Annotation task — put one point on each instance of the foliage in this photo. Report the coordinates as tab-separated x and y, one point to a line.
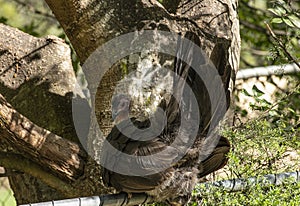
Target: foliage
261	146
287	107
32	17
258	47
267	144
288	194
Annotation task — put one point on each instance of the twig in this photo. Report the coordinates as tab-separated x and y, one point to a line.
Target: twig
251	8
276	103
259	28
281	45
34	10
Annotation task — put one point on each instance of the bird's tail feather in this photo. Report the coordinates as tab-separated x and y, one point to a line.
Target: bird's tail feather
185	54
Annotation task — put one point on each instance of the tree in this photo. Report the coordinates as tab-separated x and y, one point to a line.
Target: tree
38	137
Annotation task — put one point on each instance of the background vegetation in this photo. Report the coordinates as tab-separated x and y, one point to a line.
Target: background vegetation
267	143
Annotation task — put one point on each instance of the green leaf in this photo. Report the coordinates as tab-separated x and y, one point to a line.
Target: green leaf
295	20
273	113
291	110
276	20
278	11
265	102
244	113
245	92
256	91
288	22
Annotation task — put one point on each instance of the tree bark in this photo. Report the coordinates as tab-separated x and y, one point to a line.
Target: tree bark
37	132
89	24
92	23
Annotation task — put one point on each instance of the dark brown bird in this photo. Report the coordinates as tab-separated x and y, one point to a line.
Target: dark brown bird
177	146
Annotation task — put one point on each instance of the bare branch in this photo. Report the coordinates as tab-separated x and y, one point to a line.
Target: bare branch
19	163
34	10
62	156
260	29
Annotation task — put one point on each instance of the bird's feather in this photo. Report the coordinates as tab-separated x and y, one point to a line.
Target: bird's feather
179	177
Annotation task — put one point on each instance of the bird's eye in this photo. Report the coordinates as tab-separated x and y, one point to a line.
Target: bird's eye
123	104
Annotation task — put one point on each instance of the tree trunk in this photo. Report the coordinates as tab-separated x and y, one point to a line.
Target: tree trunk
89	24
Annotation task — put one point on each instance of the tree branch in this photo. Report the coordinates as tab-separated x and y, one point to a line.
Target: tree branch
37	79
258	28
21	164
62	156
34	10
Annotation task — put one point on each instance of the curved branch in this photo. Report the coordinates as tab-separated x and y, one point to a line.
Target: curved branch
62	156
21	164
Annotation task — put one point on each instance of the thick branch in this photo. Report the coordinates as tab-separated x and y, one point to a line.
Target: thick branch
89	24
19	163
62	156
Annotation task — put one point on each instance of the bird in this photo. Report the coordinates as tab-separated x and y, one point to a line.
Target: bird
170	176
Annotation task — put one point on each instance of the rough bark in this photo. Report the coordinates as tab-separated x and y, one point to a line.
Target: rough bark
37	132
88	25
92	23
29	81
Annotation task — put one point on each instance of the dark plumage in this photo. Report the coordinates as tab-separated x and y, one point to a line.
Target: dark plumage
176	181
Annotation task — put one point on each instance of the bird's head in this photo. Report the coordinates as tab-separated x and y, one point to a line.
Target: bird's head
120	108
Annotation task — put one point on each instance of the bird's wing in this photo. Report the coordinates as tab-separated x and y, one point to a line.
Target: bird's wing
217	159
144	169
